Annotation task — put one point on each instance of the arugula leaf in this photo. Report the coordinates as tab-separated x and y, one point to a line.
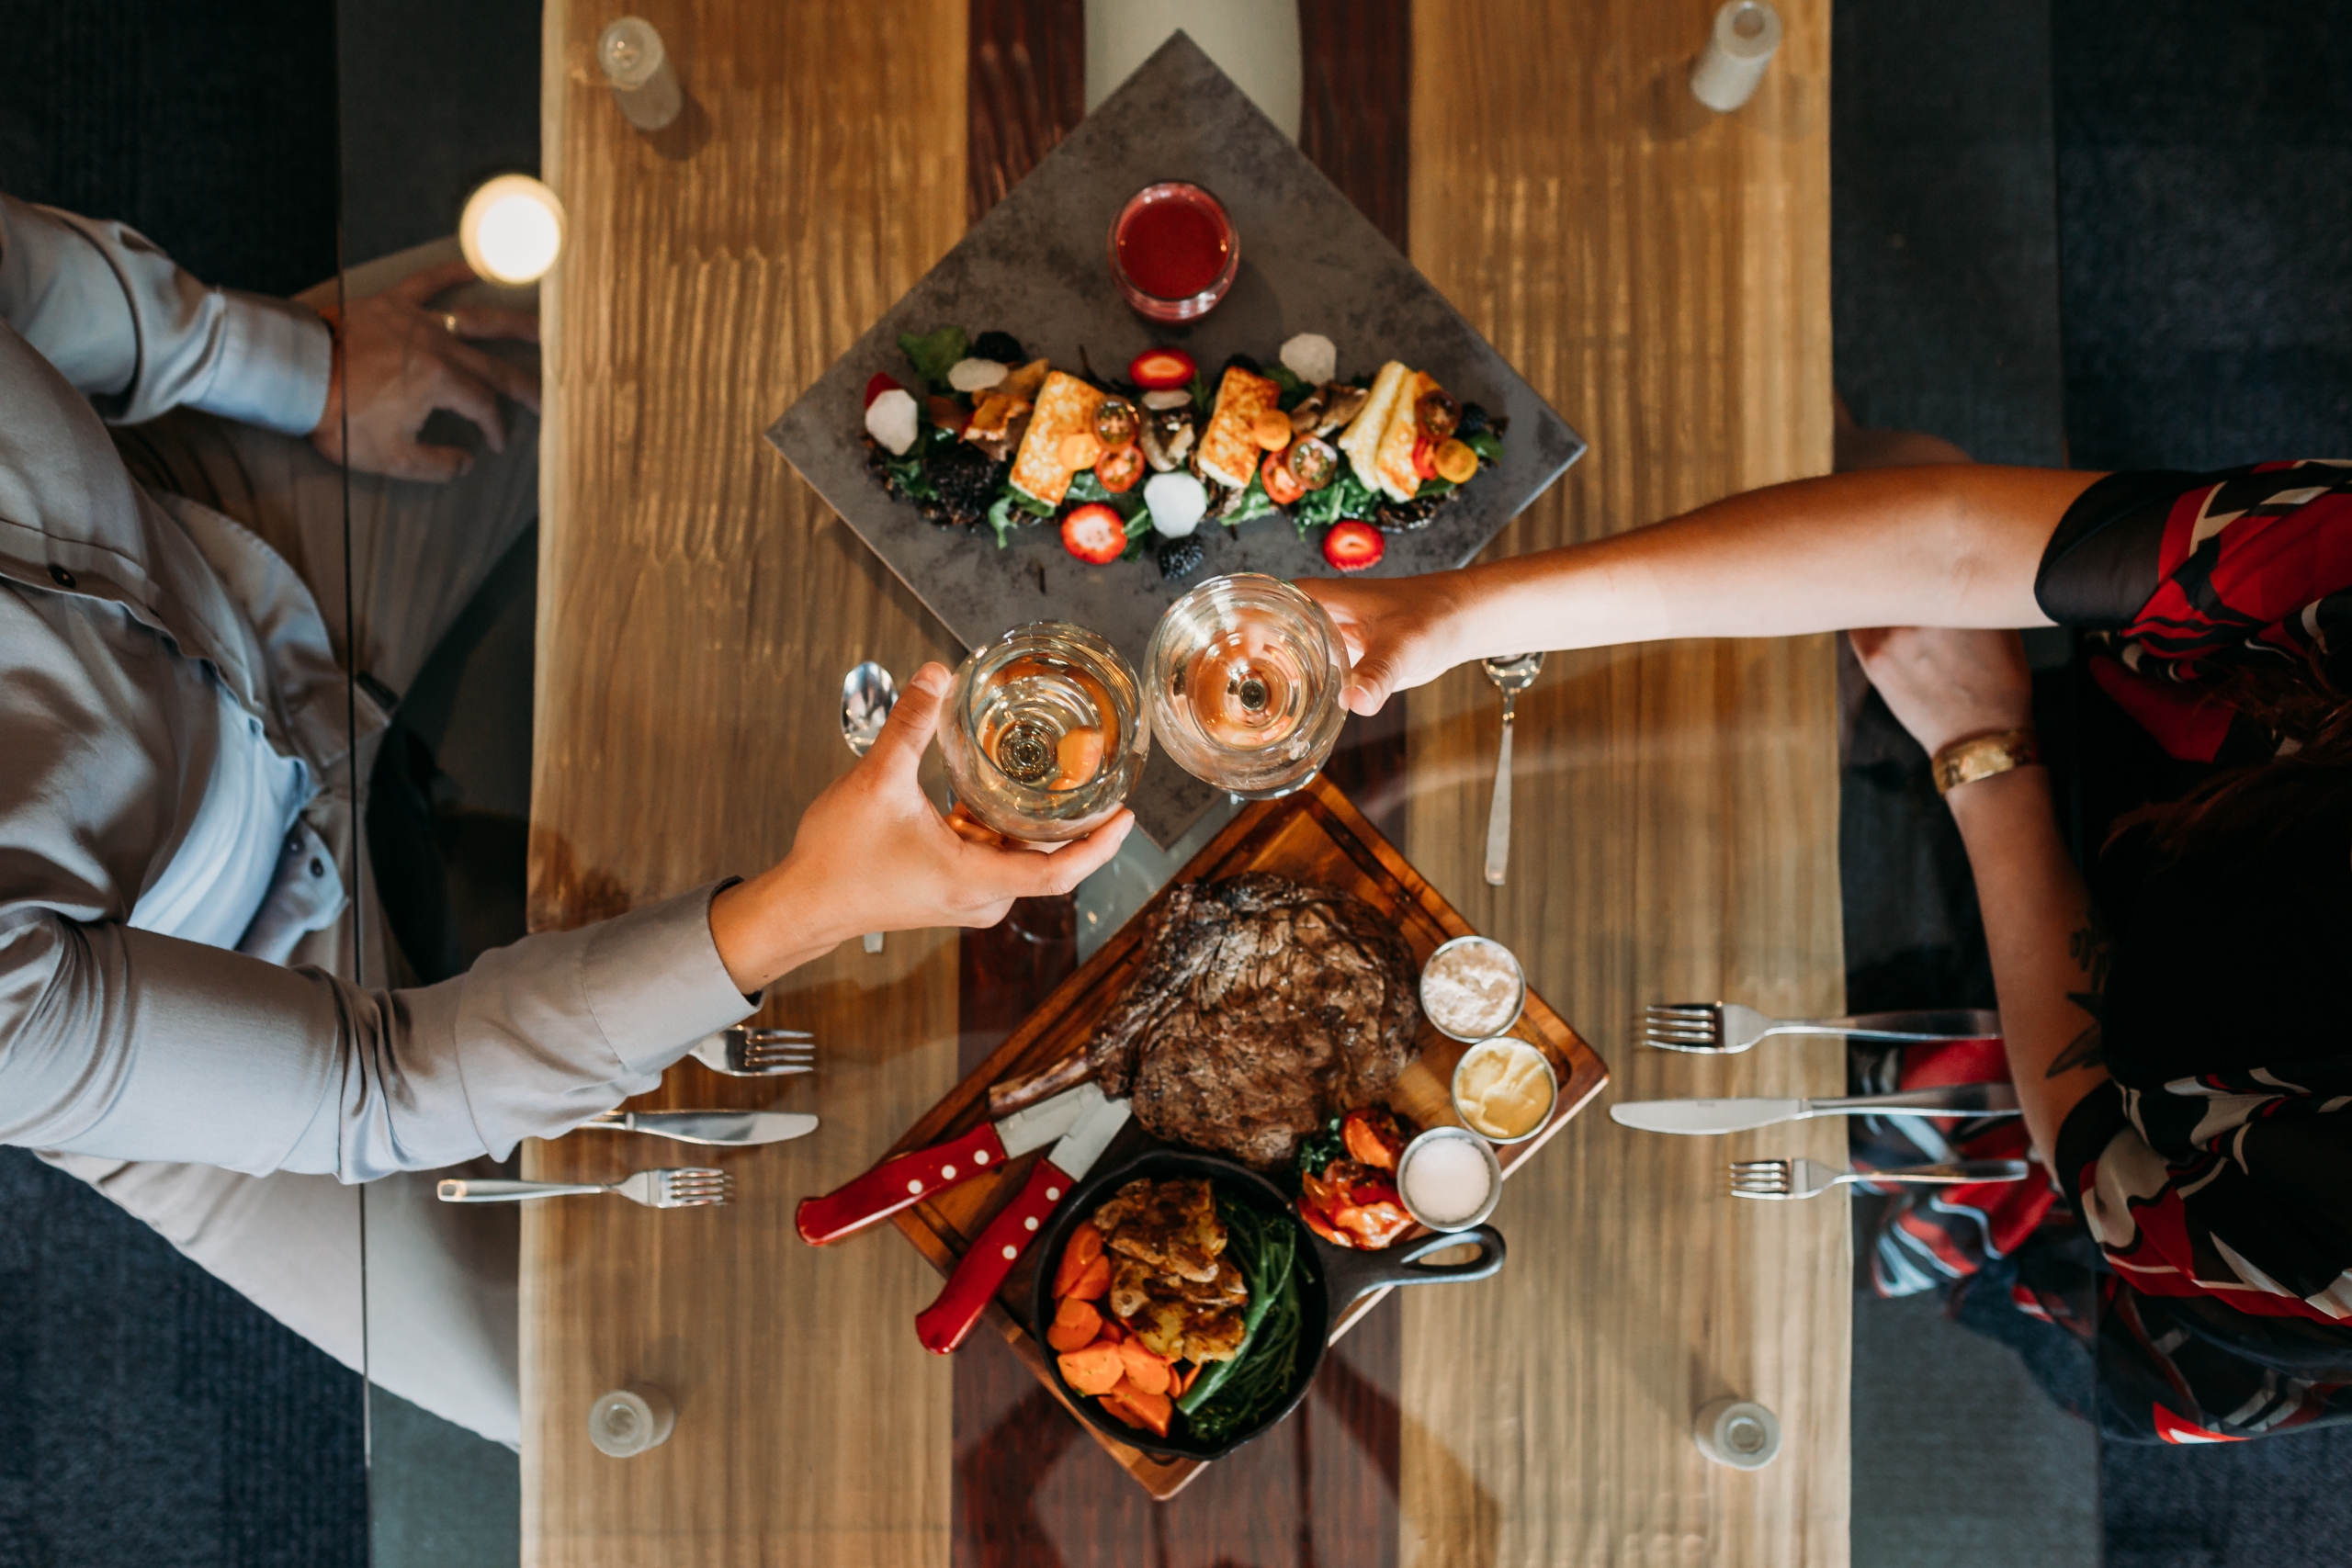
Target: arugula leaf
1346	496
1201	399
1486	443
935	353
1294	391
910	476
1254	502
1000	517
1085	489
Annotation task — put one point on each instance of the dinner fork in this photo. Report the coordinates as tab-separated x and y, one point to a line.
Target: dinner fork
746	1053
1804	1178
692	1187
1726	1027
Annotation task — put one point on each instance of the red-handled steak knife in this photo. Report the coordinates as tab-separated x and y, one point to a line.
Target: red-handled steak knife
943	1325
897	1183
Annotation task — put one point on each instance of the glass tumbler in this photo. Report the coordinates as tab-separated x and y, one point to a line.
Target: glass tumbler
1044	733
1244	677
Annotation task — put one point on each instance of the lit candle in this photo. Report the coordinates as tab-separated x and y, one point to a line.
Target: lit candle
512	229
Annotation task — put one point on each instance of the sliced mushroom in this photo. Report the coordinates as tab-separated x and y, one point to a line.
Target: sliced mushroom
1342	402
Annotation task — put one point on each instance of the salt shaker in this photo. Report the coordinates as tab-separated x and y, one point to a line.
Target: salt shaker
1738	1433
638	68
628	1421
1739	46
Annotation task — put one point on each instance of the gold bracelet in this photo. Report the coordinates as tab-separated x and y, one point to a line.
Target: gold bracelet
1982	756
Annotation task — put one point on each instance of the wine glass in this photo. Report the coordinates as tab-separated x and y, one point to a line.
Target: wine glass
1046	733
1244	676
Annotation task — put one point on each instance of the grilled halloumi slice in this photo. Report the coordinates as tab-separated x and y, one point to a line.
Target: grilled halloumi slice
1066	406
1229	450
1392	460
1361	440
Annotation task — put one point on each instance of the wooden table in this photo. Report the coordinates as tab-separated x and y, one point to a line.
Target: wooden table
1661	274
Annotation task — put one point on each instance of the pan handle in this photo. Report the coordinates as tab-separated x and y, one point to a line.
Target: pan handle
1349	1275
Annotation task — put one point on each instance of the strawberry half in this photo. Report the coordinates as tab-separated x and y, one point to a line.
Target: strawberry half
1354	546
881	383
1095	534
1160	369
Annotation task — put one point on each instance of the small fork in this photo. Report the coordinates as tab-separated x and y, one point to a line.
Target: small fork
1804	1178
691	1186
746	1053
1726	1027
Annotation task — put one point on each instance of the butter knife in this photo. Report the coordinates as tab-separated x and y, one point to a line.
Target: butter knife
734	1128
1701	1116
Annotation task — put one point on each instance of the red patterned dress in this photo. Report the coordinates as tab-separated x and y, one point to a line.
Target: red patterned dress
2214	1173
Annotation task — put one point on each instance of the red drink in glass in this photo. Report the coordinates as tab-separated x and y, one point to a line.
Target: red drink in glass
1173	252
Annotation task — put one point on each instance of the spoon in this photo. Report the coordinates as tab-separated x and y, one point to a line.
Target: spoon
868	693
1511	675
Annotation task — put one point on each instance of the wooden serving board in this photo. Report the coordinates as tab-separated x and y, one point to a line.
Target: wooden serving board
1315	836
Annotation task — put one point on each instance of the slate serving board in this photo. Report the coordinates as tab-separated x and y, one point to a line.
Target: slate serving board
1036	266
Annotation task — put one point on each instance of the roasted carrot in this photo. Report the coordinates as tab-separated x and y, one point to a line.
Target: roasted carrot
1137	1408
1075	1326
1095	1369
1093	1282
1146	1369
1085	1245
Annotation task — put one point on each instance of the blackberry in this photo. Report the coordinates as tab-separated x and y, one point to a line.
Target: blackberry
1002	347
1179	558
1243	362
966	480
1473	420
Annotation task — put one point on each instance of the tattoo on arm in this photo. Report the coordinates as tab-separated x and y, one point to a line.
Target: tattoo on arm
2089	947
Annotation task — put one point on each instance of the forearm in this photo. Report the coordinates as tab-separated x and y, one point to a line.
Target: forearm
1946	546
2038	926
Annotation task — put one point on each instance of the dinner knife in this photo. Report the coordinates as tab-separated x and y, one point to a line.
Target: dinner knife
902	1182
943	1325
1699	1116
733	1128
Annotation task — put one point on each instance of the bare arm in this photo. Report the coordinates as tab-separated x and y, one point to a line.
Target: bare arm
2048	959
1948	546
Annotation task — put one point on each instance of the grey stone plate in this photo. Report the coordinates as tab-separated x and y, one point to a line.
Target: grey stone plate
1035	266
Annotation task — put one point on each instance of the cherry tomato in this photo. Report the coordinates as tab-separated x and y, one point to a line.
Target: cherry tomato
1117	471
1095	534
1457	462
1354	546
1313	463
880	383
1425	458
1116	423
1270	430
1437	414
1281	486
1158	369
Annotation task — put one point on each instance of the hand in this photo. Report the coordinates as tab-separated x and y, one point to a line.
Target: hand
1397	631
1944	684
872	854
396	362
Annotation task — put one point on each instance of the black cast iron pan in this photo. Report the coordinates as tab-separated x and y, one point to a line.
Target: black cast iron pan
1334	1279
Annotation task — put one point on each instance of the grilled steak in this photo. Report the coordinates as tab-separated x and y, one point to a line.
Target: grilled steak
1263	1008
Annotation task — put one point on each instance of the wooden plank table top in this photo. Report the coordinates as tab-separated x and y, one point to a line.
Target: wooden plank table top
1661	275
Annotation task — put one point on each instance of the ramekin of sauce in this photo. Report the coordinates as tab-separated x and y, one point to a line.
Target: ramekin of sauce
1173	252
1473	989
1504	1090
1449	1179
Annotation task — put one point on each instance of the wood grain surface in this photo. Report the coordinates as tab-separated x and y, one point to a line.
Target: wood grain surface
1661	274
697	608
